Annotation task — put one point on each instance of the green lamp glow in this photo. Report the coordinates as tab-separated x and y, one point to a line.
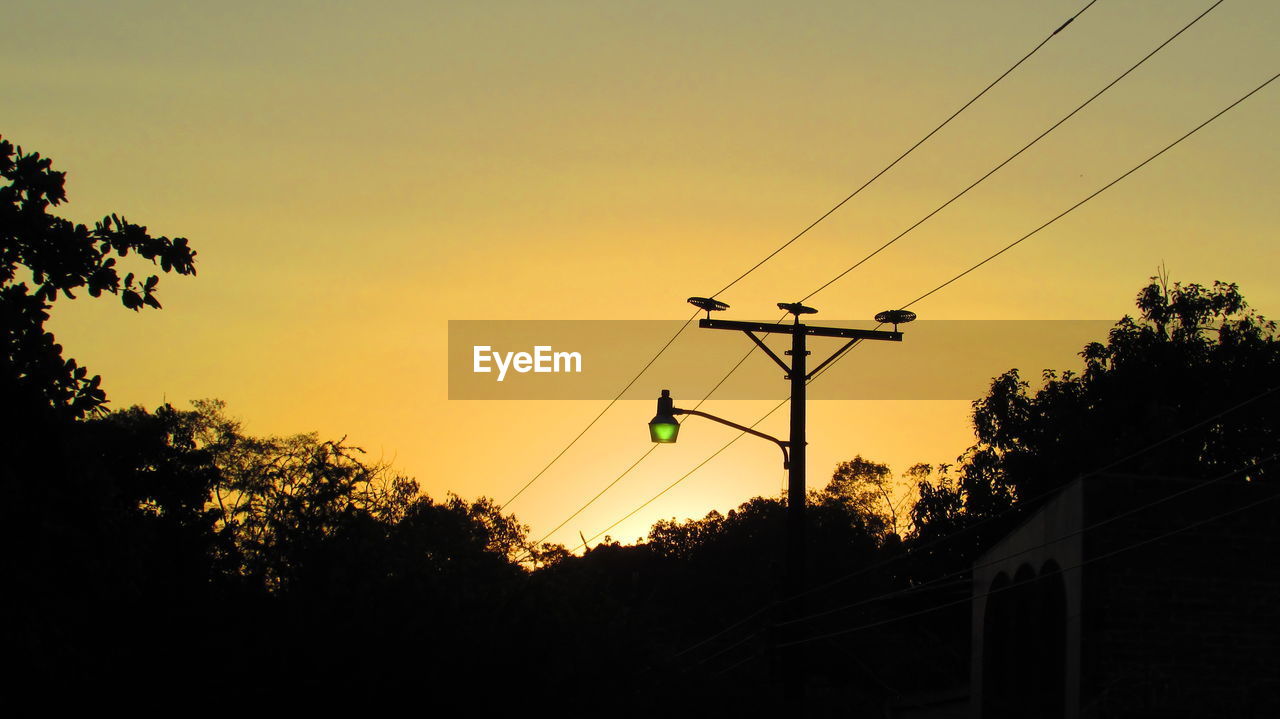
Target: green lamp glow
664	428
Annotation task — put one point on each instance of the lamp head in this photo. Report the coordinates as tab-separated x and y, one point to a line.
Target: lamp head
664	428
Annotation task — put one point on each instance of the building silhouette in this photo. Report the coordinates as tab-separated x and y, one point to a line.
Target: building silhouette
1129	596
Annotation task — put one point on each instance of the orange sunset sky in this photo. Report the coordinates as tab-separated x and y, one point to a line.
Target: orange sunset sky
355	175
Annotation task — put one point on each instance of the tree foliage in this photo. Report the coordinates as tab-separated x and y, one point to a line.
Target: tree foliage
869	491
281	503
1187	388
148	526
57	257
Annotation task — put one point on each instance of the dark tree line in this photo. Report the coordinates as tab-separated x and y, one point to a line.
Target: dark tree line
152	553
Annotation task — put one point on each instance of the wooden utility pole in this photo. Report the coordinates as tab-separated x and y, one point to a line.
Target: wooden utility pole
794	670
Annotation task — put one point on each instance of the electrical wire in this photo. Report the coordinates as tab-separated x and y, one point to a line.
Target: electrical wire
954	198
1037	498
909	150
682	478
980	264
950	536
1086	199
1051	221
995	562
1007	248
1095	193
1101	557
1011	158
770	256
635	464
607	407
1076	532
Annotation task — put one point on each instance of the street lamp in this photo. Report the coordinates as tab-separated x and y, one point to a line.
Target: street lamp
664	428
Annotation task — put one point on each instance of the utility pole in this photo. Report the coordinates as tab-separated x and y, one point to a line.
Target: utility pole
794	670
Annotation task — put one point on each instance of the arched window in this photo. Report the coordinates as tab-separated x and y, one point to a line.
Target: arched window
1052	644
1024	645
1026	639
997	641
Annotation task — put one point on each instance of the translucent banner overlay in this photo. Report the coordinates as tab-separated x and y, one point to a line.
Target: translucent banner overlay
594	359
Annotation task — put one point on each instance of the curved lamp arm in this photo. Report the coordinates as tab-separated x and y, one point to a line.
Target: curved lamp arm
786	457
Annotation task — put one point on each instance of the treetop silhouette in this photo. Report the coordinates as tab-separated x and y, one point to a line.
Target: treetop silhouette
59	256
1195	378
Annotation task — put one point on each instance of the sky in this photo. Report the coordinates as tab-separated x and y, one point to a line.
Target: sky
356	175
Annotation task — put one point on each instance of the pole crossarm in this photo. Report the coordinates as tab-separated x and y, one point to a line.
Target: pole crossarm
768	351
750	328
811	330
786	458
836	355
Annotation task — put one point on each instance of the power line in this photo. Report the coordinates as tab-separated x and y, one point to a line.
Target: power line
682	478
1078	204
1193	131
994	562
1097	192
1072	208
686	475
983	262
1011	158
592	423
638	461
729	648
770	256
1000	560
1108	555
1030	501
647	452
909	150
1034	499
1016	242
960	194
739	663
1007	248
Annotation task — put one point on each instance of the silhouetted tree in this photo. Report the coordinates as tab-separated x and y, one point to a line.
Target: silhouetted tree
152	553
1194	353
1189	388
106	521
58	256
870	492
939	504
281	502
